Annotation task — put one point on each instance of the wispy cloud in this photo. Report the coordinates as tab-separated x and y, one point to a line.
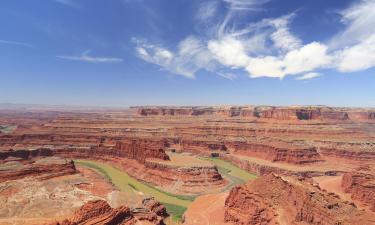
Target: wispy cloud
206	11
190	56
21	44
245	4
84	57
69	3
308	76
267	48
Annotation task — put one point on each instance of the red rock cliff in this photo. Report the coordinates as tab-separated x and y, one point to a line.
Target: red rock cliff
272	200
362	187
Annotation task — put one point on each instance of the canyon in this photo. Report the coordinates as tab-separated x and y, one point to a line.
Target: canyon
293	150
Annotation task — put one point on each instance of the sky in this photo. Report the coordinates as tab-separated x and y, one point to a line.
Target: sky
187	52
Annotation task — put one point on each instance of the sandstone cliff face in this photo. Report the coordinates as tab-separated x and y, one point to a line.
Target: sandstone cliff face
198	146
276	152
25	154
132	148
362	187
273	200
140	149
361	115
100	212
346	153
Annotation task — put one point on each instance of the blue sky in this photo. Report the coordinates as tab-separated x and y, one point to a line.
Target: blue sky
188	52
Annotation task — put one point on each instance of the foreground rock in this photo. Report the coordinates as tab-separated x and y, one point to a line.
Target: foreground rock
273	200
100	212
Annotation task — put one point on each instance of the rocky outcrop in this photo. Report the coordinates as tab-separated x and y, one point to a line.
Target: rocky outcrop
276	152
132	148
16	165
100	212
141	149
361	115
361	185
190	180
272	151
25	154
201	145
346	153
274	200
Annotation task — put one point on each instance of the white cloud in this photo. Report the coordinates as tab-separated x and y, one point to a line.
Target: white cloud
357	57
268	66
22	44
308	76
229	51
267	48
360	24
86	58
309	57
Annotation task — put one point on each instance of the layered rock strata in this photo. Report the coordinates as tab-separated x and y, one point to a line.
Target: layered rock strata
100	212
274	200
361	185
14	168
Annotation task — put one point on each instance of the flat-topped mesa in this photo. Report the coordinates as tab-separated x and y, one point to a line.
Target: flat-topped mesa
276	152
293	113
361	115
229	111
141	149
361	185
300	113
273	200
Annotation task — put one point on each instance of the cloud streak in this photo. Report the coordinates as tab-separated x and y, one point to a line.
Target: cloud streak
308	76
84	57
21	44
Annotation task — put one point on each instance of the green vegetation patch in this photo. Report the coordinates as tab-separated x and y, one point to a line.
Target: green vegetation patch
176	211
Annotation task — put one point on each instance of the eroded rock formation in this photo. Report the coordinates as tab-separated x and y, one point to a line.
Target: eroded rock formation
141	149
274	200
100	212
19	164
361	185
